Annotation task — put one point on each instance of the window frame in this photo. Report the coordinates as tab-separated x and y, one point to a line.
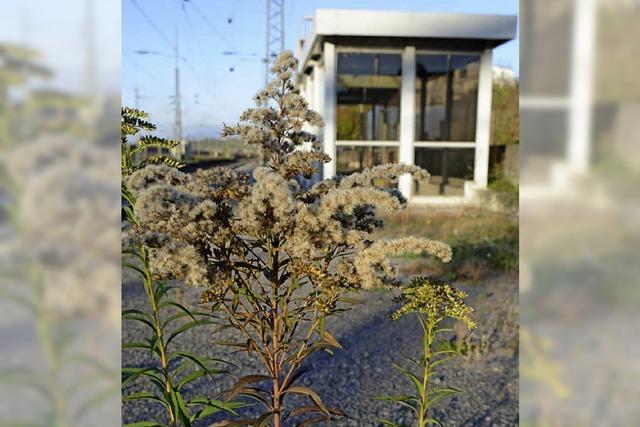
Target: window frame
450	144
366	142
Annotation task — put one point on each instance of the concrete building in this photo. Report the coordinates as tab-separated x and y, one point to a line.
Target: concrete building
413	88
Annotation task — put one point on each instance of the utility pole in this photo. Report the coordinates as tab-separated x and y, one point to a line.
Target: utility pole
275	34
177	128
136	96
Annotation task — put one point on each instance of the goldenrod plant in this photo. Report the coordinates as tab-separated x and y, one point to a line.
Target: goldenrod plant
275	259
53	292
431	301
164	319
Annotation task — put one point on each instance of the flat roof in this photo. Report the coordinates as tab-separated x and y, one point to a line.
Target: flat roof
493	30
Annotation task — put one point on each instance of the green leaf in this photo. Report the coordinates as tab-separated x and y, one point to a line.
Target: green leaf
179	306
132	345
143	395
411	402
191	377
211	406
415	363
173	318
183	410
134	267
414	379
158	160
441	393
150	141
441	361
138	318
186	327
134	373
196	359
438	353
154	343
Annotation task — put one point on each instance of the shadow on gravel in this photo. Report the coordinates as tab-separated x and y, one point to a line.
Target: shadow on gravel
352	378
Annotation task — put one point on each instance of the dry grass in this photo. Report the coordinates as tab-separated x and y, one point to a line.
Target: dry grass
484	242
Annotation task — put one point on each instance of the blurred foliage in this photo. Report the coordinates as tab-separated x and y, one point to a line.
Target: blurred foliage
505	114
349	126
18	66
507	193
617	53
71	381
211	148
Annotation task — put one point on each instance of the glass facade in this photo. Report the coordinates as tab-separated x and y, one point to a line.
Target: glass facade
368	110
446	97
449	169
368	97
356	158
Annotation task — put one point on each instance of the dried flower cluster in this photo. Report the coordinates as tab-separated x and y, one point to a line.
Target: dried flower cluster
277	258
67	225
436	299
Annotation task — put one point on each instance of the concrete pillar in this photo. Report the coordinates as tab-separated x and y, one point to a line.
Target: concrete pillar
483	120
318	82
407	116
581	99
308	90
329	107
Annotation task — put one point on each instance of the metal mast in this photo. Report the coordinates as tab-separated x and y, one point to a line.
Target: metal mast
136	95
275	34
177	129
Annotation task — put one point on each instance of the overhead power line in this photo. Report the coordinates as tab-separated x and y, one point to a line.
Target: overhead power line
153	25
211	25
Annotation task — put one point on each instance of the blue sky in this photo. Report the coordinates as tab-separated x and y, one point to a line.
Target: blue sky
57	30
211	92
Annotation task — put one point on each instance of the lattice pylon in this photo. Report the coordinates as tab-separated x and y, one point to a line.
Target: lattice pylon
275	34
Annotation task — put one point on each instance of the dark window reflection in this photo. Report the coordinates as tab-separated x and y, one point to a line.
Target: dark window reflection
368	97
355	159
431	96
446	97
449	169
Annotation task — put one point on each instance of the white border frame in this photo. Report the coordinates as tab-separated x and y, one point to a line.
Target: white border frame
375	143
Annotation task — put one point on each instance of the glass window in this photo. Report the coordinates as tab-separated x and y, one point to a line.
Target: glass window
431	96
465	72
446	97
352	159
368	97
449	169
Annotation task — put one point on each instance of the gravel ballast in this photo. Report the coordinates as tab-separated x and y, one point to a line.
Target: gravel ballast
352	378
